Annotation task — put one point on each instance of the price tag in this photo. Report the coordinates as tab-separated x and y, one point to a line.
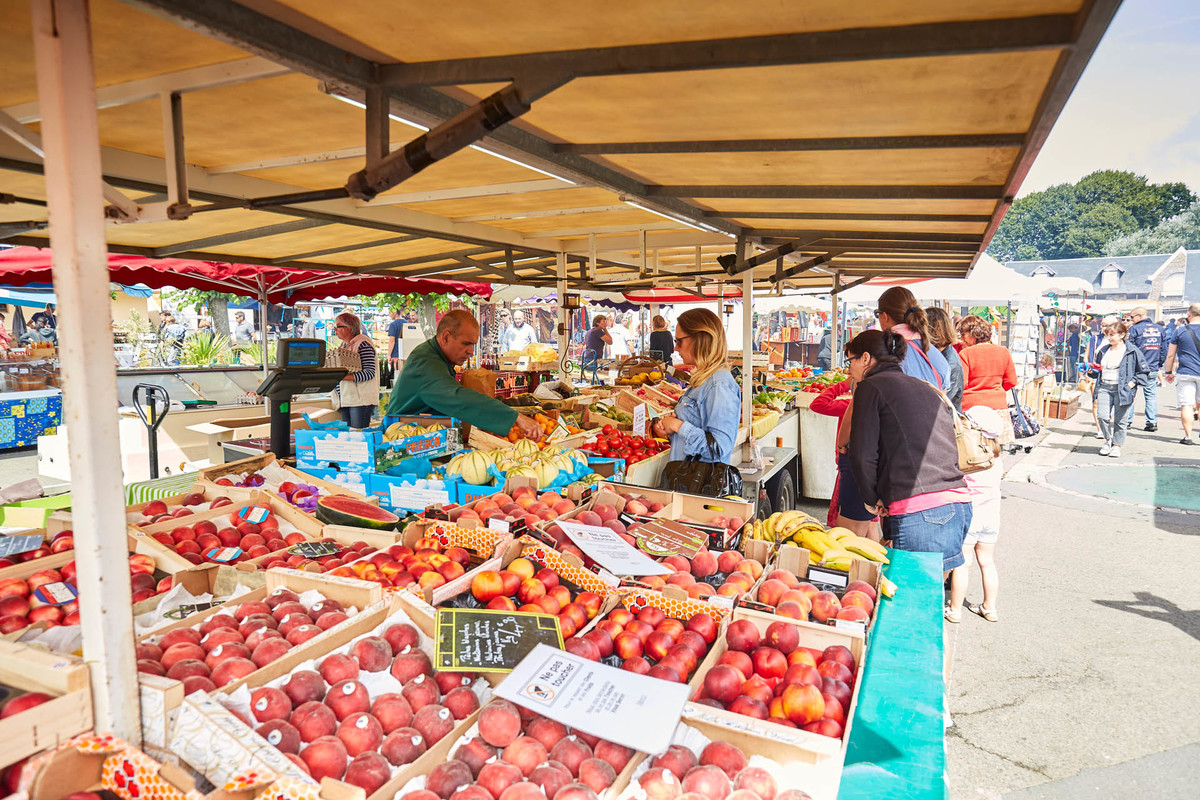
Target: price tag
824	578
497	524
186	611
315	549
56	594
15	545
410	497
639	419
223	554
614	704
666	537
610	551
255	514
485	640
849	625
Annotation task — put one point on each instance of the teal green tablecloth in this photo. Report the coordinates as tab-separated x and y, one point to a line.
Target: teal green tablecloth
896	747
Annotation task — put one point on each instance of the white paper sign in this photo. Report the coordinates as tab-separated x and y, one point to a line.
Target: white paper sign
412	497
611	551
639	419
611	703
341	450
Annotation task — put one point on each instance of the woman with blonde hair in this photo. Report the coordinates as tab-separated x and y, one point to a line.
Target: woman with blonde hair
944	337
712	405
358	392
662	346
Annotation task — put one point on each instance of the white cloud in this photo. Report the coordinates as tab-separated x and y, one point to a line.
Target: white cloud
1134	107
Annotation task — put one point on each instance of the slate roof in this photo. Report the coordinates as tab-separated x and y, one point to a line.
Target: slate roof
1134	279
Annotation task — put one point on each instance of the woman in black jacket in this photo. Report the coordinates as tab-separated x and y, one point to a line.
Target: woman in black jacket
1122	368
902	451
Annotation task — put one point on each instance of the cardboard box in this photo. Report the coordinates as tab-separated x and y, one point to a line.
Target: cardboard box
398	492
346	450
337	481
797	561
69	713
341	534
436	443
827	755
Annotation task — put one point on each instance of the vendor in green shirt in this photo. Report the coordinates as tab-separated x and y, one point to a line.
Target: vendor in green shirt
427	384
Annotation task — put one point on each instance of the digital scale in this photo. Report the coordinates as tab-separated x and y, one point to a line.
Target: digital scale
300	369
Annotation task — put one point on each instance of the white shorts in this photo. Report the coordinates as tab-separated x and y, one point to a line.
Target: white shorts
985	505
1187	386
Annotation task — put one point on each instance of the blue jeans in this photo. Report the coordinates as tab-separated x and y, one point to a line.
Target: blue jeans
357	416
935	530
1114	418
1150	395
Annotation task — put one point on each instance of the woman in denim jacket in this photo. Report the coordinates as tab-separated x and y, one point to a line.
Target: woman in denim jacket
713	401
1121	368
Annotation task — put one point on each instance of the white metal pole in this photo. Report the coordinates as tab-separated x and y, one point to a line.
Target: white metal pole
835	334
262	315
747	346
71	137
561	286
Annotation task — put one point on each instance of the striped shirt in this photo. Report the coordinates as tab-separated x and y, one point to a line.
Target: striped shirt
366	354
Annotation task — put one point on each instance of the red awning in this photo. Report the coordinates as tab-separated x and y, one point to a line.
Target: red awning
671	295
21	266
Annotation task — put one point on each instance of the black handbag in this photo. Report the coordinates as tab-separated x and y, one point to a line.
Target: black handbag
706	478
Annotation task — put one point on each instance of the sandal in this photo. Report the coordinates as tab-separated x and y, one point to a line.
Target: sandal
952	614
977	608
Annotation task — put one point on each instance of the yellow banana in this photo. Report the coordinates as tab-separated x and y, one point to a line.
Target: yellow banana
887	588
813	558
840	534
869	544
839	563
866	552
836	553
813	543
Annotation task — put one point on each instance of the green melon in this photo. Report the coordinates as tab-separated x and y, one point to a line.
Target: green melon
341	510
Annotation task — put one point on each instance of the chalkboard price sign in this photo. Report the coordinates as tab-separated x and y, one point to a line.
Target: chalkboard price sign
315	549
15	545
182	612
485	640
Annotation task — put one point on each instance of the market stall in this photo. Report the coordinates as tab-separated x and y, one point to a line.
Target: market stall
618	199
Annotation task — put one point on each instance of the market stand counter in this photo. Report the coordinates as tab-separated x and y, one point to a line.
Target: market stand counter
897	746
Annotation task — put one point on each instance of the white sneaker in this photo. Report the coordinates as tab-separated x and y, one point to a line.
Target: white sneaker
1115	452
1099	435
1105	449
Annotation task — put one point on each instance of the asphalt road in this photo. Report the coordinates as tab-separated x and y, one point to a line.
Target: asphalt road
1086	686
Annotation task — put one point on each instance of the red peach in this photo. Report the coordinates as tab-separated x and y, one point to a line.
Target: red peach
742	635
525	753
462	702
346	698
282	734
267	704
314	720
571	752
403	746
269	650
360	732
304	686
325	757
232	669
434	722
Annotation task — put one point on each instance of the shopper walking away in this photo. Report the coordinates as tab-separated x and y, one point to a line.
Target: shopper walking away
944	337
1122	369
359	391
846	507
395	333
825	350
979	545
1072	372
898	312
903	453
988	371
712	403
662	343
519	335
1183	368
1148	336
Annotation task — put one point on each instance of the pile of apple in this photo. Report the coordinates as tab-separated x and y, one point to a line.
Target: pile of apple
650	643
791	597
256	539
728	574
229	645
769	676
345	554
428	564
330	726
61	542
524	504
521	586
158	511
721	771
519	755
20	608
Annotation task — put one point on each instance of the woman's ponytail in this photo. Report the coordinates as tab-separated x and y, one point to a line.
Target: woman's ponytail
916	318
901	307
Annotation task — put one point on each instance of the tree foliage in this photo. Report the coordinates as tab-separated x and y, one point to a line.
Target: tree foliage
1078	220
1165	237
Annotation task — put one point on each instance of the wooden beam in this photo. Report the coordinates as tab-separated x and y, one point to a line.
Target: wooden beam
464	192
804	192
784	145
855	216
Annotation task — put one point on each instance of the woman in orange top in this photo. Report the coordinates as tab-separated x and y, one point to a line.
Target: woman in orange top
988	369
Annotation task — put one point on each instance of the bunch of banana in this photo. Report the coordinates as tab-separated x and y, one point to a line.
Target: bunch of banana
858	545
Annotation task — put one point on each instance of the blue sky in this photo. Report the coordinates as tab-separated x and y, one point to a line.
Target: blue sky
1137	106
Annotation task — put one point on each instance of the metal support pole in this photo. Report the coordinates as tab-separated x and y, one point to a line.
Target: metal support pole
174	152
835	332
262	314
561	286
74	190
747	346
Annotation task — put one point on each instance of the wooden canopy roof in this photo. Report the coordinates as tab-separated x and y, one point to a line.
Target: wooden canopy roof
640	141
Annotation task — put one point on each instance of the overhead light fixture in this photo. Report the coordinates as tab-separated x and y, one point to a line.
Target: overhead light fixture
672	217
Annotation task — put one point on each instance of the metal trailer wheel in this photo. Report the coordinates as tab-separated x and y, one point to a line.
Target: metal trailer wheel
763	505
783	492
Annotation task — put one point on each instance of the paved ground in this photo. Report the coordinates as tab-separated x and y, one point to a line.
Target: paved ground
1086	686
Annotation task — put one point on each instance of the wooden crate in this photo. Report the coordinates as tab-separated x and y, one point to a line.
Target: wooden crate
209	476
50	724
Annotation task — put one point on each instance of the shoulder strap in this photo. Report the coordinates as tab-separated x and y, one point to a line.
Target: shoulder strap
1192	333
936	376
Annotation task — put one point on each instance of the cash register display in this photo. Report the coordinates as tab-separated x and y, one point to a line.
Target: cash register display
301	353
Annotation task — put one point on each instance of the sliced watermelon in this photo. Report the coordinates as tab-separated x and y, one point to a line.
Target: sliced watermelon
341	510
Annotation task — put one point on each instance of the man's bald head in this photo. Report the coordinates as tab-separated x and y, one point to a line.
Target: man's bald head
457	334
